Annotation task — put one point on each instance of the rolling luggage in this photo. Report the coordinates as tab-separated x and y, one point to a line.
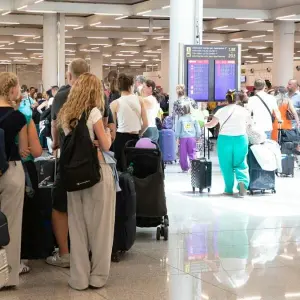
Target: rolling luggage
287	155
125	221
167	143
288	162
260	180
201	171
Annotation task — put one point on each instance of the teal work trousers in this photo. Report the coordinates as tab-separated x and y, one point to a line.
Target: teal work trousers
232	154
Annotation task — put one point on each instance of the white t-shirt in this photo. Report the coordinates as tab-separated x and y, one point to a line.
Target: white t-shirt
94	117
236	124
261	116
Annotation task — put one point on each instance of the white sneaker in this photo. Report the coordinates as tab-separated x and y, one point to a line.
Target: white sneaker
24	269
242	190
59	261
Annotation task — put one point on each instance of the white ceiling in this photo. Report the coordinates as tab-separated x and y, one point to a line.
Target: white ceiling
144	25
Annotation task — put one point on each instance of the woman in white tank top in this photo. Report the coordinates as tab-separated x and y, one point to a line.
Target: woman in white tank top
130	116
152	109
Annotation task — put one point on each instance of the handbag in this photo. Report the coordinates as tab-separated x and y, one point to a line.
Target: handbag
266	106
4	233
289	114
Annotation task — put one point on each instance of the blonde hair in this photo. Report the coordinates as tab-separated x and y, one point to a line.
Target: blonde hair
86	94
180	89
8	80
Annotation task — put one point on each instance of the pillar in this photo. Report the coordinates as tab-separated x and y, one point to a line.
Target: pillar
183	31
96	64
165	65
54	50
283	52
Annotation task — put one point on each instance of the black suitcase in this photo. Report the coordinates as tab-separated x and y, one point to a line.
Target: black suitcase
125	221
201	171
260	180
288	162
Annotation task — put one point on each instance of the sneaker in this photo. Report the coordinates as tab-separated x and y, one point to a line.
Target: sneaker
242	190
24	269
59	261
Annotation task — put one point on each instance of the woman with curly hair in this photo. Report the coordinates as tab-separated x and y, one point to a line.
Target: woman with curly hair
91	211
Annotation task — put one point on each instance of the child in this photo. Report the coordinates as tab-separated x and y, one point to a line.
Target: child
187	131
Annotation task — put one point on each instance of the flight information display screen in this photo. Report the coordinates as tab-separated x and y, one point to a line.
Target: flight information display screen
225	78
198	79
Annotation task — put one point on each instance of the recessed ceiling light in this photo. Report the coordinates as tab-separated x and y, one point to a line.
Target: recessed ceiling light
258	36
6	13
118	59
79	27
167	6
10	23
38	1
14	53
129	38
128	51
150	55
108	26
122	17
108	14
71	25
94	24
70	54
144	12
24	35
33	49
12	43
248	19
22	7
22	41
70	43
97	37
68	37
142	40
157	16
7	48
228	29
32	42
220	27
107	46
256	21
95	48
125	55
36	37
284	17
40	11
158	37
268	41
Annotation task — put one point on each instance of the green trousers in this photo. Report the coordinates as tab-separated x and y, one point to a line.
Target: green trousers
232	153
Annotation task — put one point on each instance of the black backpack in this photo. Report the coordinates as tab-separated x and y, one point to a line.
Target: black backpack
79	164
45	121
3	159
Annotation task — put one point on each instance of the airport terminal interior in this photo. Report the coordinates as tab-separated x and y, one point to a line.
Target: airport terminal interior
218	247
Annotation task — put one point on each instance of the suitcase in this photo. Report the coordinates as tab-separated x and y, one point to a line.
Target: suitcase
201	171
288	148
46	168
260	180
167	144
288	162
125	220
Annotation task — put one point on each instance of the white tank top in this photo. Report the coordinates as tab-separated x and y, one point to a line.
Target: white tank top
152	112
129	114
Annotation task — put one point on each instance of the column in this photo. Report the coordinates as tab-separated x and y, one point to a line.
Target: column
283	52
50	57
54	50
183	31
61	50
165	65
96	65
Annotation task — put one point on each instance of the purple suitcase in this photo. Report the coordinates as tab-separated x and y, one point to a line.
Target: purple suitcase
167	143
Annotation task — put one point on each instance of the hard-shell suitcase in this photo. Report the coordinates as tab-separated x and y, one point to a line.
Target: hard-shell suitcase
167	144
201	171
125	221
260	180
288	162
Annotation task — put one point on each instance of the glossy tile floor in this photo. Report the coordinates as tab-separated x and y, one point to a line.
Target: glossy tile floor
220	248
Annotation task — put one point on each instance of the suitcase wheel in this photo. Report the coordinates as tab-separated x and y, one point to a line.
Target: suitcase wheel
251	193
115	257
194	190
208	190
263	191
158	233
166	221
274	191
165	233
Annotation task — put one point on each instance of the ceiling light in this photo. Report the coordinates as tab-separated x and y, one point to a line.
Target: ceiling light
122	17
125	55
107	46
156	16
256	21
24	35
33	49
7	48
244	50
211	18
95	48
129	45
108	26
6	13
270	30
22	41
229	29
252	61
142	40
257	47
220	27
68	37
167	6
94	24
32	42
158	37
22	7
38	1
216	42
71	43
70	54
247	19
144	12
10	23
150	55
108	14
292	295
284	17
129	38
268	41
263	53
118	59
135	66
107	55
128	51
268	61
36	37
14	53
12	43
40	11
79	27
71	25
258	36
97	37
4	42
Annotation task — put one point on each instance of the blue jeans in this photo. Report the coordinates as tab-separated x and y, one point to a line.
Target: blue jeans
268	134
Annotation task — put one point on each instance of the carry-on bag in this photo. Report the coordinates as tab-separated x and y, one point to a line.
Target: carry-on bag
167	144
260	180
125	220
4	234
201	171
288	165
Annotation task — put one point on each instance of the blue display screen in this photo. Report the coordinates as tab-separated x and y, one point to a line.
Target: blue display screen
225	78
198	79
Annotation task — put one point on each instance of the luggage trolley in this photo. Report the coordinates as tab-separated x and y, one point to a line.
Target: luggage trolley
147	168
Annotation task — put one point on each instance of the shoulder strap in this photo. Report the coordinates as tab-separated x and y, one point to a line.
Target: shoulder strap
6	115
227	119
266	106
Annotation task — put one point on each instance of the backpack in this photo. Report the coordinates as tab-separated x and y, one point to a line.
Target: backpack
168	123
79	164
45	123
3	159
158	123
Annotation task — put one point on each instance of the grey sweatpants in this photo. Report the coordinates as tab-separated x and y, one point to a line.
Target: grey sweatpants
12	189
91	224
